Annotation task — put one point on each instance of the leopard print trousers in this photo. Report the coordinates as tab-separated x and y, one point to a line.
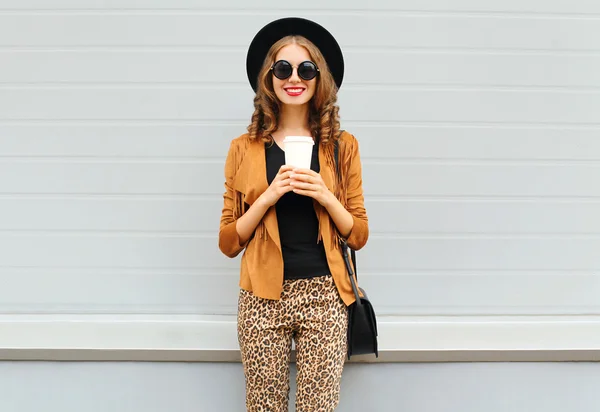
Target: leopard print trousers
312	313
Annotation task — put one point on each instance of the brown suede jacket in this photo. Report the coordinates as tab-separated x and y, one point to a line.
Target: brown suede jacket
262	263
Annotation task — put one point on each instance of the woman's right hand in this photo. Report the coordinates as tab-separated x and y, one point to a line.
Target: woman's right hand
279	186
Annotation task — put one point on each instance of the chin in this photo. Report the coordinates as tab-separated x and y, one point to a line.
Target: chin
290	101
293	101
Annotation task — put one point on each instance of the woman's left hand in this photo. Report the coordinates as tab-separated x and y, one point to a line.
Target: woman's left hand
309	183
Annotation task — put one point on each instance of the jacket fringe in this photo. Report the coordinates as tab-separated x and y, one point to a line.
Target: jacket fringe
340	188
239	199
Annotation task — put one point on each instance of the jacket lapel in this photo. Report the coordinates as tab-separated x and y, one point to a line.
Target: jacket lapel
251	180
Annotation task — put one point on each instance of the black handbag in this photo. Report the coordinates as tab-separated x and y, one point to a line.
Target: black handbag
362	322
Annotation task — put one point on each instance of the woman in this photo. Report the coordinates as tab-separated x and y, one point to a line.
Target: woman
294	284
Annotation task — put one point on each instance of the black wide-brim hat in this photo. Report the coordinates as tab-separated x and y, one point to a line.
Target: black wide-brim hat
278	29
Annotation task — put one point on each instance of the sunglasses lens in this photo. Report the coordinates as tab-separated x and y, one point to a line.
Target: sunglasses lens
307	70
282	70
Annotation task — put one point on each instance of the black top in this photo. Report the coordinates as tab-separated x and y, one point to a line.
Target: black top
298	224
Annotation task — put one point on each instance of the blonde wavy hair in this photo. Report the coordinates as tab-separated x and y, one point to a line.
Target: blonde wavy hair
323	120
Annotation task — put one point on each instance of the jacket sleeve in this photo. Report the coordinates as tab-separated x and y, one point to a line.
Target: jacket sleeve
229	239
355	203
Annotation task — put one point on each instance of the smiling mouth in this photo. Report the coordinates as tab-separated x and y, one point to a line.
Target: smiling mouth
294	91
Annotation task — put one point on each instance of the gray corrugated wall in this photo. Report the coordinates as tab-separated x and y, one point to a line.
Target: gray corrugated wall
479	126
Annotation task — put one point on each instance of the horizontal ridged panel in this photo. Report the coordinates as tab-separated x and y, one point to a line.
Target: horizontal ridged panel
481	180
117	291
100	140
385	30
446	216
442	216
181	140
405	178
390	254
529	6
408	67
110	177
217	103
110	214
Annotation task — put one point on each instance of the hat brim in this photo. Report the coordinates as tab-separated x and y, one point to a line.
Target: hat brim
281	28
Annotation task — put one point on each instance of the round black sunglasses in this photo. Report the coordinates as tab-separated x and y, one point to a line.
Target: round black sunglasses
282	69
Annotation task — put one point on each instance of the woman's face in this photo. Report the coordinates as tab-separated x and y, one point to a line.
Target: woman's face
294	90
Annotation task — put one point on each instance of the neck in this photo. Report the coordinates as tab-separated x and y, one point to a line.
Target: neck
293	119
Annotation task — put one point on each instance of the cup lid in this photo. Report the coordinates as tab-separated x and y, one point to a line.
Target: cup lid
303	139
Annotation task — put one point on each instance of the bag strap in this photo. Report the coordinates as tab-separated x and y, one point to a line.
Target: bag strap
345	248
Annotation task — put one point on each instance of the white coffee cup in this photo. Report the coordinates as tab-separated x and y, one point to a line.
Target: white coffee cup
298	151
